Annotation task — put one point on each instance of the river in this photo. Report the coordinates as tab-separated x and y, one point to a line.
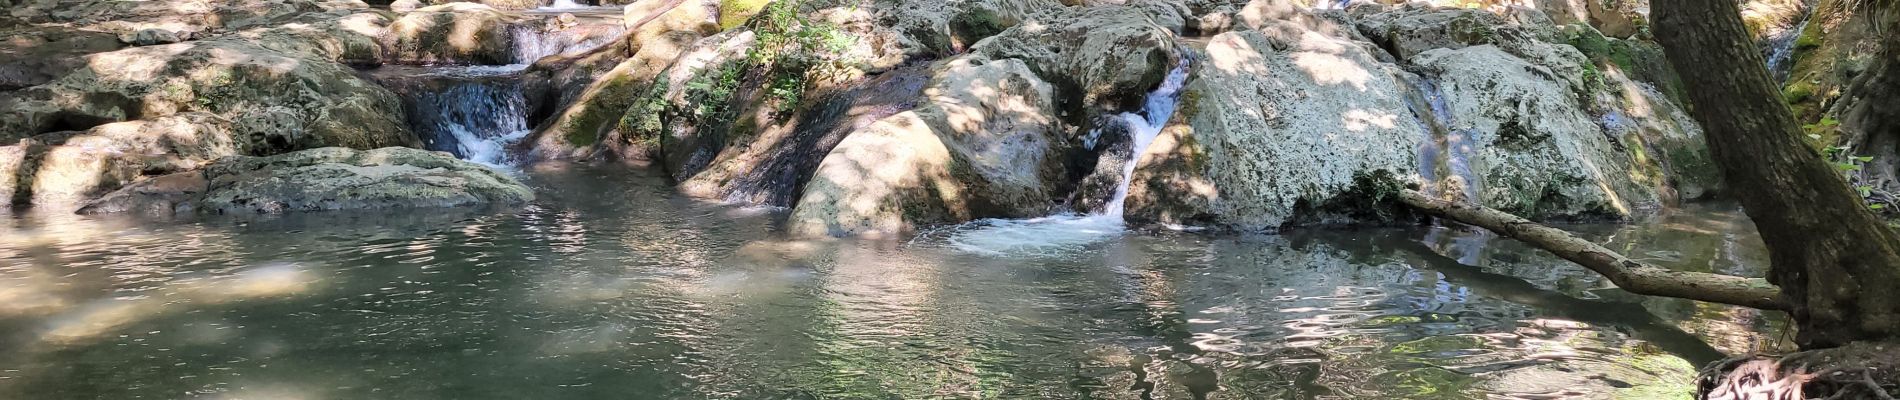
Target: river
610	286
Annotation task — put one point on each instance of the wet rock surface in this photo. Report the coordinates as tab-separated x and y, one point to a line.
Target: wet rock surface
321	180
883	117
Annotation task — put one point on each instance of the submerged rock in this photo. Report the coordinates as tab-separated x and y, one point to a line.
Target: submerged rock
320	180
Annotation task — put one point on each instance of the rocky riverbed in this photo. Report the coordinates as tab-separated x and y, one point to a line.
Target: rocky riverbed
880	117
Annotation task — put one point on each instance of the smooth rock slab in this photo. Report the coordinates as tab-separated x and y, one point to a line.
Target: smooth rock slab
320	180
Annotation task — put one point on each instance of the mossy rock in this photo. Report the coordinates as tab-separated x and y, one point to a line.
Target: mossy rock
733	13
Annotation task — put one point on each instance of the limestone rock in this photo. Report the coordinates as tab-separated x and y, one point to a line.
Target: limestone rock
352	39
162	22
403	6
966	154
277	101
60	170
454	33
510	5
1103	58
1539	154
1273	127
651	19
34	55
323	179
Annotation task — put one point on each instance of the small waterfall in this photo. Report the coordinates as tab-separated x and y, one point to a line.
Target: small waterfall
1445	143
565	5
472	112
1143	130
1065	233
1781	51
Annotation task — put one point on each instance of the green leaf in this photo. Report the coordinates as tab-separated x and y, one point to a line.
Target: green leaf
1864	159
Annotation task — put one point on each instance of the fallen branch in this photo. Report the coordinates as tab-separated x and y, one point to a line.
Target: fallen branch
1633	276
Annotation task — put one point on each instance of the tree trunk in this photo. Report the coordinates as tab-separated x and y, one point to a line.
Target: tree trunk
1628	274
1836	263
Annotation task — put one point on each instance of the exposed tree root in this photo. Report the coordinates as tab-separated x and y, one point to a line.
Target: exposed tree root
1858	371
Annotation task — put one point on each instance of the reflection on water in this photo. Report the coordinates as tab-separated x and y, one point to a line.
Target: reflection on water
609	287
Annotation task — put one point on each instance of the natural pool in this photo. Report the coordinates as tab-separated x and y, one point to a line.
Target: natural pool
611	287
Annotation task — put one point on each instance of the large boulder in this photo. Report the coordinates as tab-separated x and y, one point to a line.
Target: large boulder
510	5
276	101
62	169
353	39
1101	58
599	90
320	180
161	22
1275	125
453	33
32	55
1539	154
966	154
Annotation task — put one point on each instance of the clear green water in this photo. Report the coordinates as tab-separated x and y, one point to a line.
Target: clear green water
610	287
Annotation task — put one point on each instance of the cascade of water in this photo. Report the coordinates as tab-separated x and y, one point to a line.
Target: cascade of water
472	112
564	4
1781	51
1069	232
1158	108
1445	143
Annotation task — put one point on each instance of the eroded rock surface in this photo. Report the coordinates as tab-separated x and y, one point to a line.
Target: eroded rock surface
321	180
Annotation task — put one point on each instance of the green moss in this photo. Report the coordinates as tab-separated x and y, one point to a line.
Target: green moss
1797	92
970	27
1810	38
609	103
733	13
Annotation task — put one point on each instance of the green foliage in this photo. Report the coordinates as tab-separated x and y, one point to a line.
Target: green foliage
1822	135
712	92
785	37
796	50
1853	168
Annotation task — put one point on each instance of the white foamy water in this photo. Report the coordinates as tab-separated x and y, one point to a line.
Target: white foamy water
565	5
474	112
490	151
1064	233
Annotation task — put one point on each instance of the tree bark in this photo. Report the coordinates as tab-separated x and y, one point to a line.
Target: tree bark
1633	276
1836	263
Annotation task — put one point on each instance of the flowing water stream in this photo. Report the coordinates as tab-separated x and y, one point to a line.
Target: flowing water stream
475	112
1447	150
611	286
1064	233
